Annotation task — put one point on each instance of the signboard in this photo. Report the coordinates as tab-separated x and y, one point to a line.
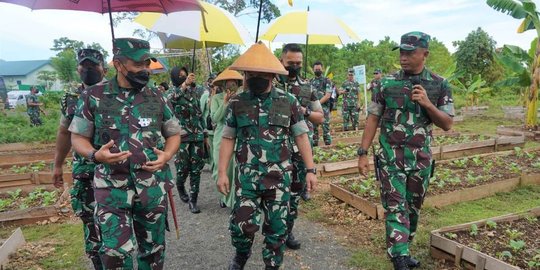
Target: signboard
360	74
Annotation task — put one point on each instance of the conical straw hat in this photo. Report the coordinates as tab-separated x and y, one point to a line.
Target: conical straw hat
228	74
259	58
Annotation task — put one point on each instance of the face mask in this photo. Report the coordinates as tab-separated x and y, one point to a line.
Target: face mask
181	80
293	71
138	80
257	85
193	84
90	76
318	73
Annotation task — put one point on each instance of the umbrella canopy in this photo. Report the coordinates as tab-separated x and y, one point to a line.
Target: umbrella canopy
217	25
171	41
320	27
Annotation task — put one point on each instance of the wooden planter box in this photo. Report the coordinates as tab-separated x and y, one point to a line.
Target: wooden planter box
36	178
12	158
14	242
466	257
518	131
376	211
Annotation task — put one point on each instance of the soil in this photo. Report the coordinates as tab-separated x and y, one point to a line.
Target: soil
10	201
496	241
29	255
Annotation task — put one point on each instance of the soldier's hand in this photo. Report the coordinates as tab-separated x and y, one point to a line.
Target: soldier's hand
419	95
58	179
311	181
223	184
162	159
104	154
190	78
363	165
303	110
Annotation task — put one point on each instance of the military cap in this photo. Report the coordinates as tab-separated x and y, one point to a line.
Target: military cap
135	49
228	74
350	70
89	54
413	40
211	77
377	71
259	58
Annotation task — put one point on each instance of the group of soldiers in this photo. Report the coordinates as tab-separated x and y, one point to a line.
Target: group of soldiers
133	144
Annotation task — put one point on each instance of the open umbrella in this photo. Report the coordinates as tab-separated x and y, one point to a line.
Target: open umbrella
108	6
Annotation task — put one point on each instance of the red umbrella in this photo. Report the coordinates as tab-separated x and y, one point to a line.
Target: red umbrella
108	6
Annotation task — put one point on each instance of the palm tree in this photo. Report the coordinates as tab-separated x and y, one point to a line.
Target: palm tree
526	10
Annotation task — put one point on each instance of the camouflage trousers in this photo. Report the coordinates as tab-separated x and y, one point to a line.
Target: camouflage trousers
35	119
83	204
350	115
245	221
189	162
325	127
402	195
298	185
124	222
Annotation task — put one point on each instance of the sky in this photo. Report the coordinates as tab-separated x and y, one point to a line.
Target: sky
29	35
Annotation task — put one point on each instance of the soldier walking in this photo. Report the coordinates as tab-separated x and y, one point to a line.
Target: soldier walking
130	132
408	104
261	122
33	107
323	89
350	91
292	60
376	82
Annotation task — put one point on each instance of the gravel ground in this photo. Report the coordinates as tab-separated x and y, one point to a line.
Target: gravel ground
205	241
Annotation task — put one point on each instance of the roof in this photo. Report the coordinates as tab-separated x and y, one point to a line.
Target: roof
21	68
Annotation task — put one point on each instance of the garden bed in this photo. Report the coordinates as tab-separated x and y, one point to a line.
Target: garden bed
33	174
518	131
460	180
505	242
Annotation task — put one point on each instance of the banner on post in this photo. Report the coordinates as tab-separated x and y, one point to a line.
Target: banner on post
360	74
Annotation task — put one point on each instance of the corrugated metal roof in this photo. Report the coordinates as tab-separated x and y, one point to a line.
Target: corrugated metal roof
20	68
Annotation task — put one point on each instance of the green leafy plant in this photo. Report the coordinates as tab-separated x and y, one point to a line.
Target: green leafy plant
504	255
451	235
474	230
491	225
513	234
516	246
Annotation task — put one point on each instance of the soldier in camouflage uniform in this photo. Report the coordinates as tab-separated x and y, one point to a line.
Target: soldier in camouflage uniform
91	71
32	107
130	132
185	100
350	91
376	82
323	88
261	121
291	58
408	103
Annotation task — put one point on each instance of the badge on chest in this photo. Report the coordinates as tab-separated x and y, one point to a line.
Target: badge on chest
145	122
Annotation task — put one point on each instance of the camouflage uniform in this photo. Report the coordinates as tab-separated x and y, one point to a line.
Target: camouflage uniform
131	203
262	126
405	158
308	99
33	111
322	86
82	193
350	104
374	85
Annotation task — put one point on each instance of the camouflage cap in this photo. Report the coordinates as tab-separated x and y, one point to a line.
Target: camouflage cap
350	70
413	40
377	71
89	54
135	49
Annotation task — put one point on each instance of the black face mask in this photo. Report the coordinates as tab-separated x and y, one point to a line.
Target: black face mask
138	80
90	76
293	71
257	85
318	73
181	80
193	84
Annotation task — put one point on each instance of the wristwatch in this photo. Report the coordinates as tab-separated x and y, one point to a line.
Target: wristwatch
92	157
361	152
312	170
307	113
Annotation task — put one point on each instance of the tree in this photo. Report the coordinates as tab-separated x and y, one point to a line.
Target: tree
64	43
65	65
236	7
475	55
526	10
48	77
439	57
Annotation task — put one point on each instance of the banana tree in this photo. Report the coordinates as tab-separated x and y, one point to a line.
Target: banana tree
518	63
525	10
473	89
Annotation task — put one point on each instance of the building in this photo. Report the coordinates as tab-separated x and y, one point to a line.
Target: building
19	73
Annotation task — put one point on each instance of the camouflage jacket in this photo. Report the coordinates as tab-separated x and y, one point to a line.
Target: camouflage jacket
374	85
262	127
405	136
187	108
350	97
34	99
137	121
321	86
82	168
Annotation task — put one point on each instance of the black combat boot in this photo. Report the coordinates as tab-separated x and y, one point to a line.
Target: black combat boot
412	262
268	267
96	262
305	196
193	203
401	263
291	242
239	261
182	192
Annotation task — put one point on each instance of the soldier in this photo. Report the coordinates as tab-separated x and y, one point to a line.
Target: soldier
33	107
350	91
376	82
92	71
408	103
206	98
323	88
130	132
185	100
228	83
261	121
291	59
